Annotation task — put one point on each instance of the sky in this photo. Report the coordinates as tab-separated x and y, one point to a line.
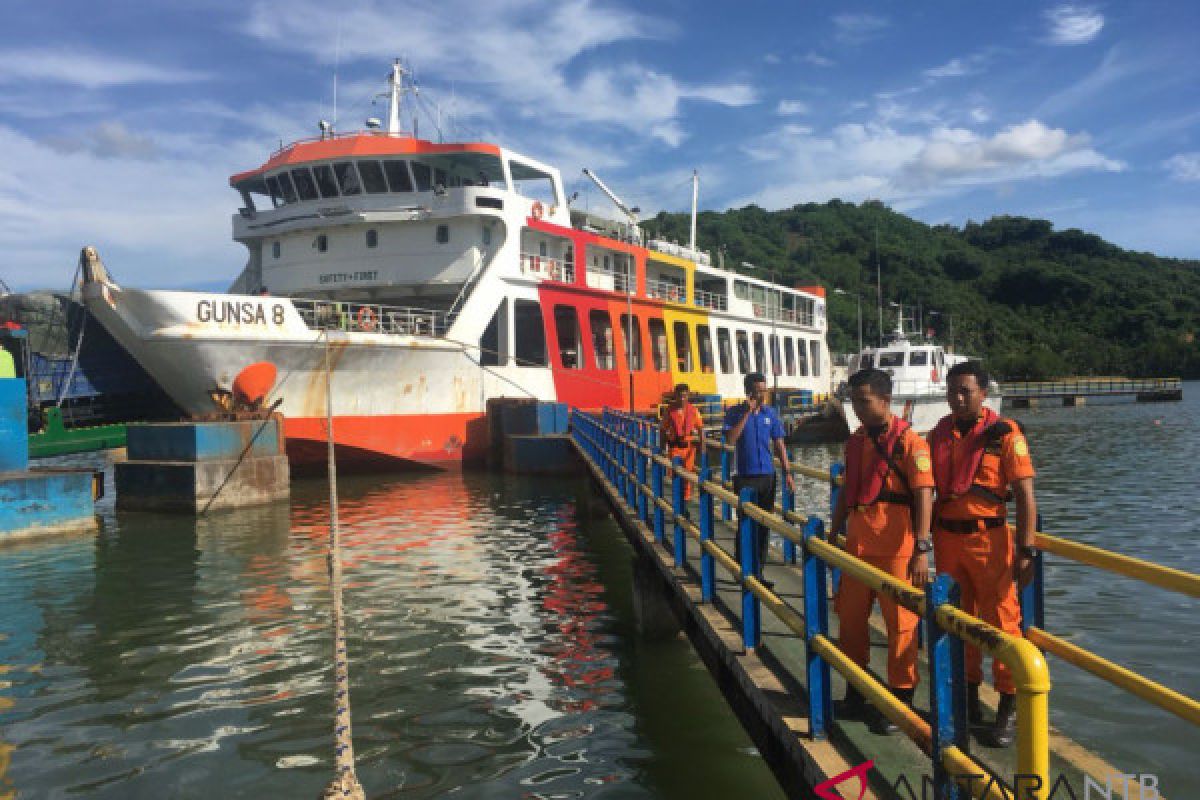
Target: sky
120	123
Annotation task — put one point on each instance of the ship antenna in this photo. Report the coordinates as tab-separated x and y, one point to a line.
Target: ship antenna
397	85
337	59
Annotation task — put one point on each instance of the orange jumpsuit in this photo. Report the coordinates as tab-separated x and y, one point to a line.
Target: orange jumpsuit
679	426
982	562
882	535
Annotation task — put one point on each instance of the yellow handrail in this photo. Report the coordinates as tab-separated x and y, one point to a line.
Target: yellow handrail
1149	572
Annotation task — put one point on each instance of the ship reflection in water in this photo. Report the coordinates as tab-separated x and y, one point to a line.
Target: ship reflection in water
170	657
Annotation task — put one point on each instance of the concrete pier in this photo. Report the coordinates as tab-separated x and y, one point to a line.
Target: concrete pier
196	467
529	437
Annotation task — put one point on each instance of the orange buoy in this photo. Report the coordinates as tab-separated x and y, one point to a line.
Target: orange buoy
252	384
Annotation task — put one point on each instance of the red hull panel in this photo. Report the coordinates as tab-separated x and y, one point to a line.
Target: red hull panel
438	441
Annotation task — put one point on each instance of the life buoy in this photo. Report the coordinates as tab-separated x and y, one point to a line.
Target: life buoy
538	210
366	319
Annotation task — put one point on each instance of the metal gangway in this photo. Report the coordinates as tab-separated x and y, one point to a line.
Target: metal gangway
645	492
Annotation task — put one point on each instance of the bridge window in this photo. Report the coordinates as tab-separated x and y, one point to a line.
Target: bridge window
802	357
602	338
321	243
276	192
372	177
886	359
631	331
743	350
775	368
816	356
347	178
372	238
443	234
918	358
704	343
326	183
275	248
397	176
725	350
570	344
865	361
489	342
789	355
683	347
305	187
423	176
658	344
289	191
529	333
760	354
533	183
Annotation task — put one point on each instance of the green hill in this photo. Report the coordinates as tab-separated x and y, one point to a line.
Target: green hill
1034	302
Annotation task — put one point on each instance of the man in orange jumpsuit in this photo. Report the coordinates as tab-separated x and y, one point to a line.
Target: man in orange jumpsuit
885	509
683	432
980	460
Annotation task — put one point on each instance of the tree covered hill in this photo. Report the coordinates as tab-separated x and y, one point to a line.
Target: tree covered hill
1034	302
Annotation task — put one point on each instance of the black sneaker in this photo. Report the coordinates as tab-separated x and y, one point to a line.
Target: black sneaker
1002	731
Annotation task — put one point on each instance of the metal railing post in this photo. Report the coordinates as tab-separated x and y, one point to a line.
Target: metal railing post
816	622
643	436
679	539
789	504
1033	596
836	471
947	687
656	483
631	491
726	477
751	612
708	571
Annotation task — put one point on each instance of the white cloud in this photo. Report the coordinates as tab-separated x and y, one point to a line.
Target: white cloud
858	28
816	59
84	69
1184	166
787	108
1070	24
954	68
980	115
107	140
772	59
1113	68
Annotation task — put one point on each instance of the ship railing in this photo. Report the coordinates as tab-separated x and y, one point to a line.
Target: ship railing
1090	386
789	315
608	279
623	452
373	318
547	268
659	289
718	302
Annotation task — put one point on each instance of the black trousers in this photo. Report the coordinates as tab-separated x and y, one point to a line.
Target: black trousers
764	488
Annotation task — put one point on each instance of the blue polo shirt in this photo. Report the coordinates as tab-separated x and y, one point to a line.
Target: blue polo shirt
754	445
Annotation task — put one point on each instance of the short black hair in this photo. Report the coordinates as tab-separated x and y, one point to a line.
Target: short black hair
682	387
751	379
877	380
970	368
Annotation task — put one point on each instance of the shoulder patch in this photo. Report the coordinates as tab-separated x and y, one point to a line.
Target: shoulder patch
1020	447
923	463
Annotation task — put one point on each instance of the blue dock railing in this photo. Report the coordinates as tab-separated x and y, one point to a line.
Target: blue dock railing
622	449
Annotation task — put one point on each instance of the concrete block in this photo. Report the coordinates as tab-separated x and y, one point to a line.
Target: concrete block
45	501
14	425
540	455
204	441
193	487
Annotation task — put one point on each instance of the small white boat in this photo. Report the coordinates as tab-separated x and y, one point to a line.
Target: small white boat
918	371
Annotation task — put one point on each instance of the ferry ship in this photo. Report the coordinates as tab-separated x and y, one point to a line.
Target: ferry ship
438	276
918	371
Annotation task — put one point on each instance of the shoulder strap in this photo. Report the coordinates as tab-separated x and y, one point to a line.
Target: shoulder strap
890	460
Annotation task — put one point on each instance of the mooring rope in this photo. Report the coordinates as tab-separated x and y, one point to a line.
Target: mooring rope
345	783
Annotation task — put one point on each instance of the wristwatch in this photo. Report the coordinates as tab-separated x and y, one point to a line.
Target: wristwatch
924	544
1027	551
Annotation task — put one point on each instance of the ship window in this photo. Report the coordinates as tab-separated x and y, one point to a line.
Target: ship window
372	238
443	234
775	368
347	178
533	183
423	176
321	243
570	346
918	358
325	181
489	342
275	249
529	333
683	347
704	342
631	330
602	338
816	356
289	191
276	192
397	176
865	361
487	235
658	344
743	350
760	354
724	350
888	359
372	177
305	187
439	178
789	355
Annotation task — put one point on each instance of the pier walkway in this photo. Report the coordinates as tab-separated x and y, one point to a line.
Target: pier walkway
780	669
1027	394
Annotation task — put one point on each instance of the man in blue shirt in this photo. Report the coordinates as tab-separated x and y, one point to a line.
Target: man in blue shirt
756	432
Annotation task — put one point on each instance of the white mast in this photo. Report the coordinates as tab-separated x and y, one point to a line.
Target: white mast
695	199
397	83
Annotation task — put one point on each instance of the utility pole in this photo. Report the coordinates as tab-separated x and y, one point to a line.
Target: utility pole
878	285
